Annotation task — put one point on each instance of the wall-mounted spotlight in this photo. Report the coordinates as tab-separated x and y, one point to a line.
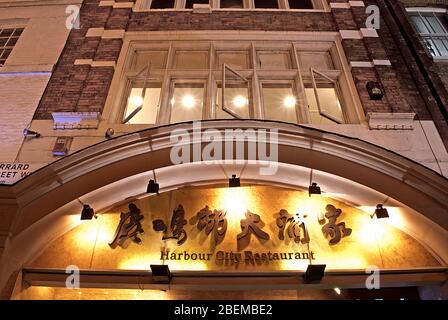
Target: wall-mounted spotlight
314	272
30	133
380	212
161	273
313	189
234	181
87	212
153	187
109	133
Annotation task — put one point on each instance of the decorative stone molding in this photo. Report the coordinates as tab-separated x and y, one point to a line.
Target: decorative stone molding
202	8
116	5
390	121
346	5
356	3
339	5
361	64
95	63
75	120
358	34
105	34
370	64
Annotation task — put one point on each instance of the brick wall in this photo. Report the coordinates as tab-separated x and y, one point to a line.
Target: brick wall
84	88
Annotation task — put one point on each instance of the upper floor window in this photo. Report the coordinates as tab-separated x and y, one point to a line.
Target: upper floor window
231	4
175	81
433	28
189	3
8	39
162	4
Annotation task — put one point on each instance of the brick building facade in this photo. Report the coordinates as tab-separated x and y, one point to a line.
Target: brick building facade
321	60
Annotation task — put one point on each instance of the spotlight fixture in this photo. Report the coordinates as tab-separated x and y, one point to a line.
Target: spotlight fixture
380	212
30	133
109	133
87	212
313	189
314	272
234	181
153	187
161	273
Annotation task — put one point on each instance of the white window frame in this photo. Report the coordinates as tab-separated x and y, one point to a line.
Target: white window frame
283	5
117	97
436	13
335	85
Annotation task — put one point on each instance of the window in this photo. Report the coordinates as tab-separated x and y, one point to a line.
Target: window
434	32
191	60
187	102
156	59
274	60
266	4
147	99
8	39
162	4
236	99
234	59
279	102
174	81
300	4
189	3
232	4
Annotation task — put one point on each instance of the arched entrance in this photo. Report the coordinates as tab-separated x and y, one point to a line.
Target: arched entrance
46	204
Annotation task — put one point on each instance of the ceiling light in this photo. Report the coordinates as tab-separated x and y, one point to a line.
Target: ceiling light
289	101
239	101
136	101
188	101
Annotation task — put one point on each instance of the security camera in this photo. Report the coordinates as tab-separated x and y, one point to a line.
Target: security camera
30	133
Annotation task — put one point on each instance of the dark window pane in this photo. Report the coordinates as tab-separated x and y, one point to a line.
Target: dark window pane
3	41
18	32
232	4
5	54
12	42
2	62
6	32
189	3
267	4
300	4
162	4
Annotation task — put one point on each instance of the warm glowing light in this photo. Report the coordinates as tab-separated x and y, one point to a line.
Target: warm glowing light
188	101
234	201
337	290
289	101
136	101
239	101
